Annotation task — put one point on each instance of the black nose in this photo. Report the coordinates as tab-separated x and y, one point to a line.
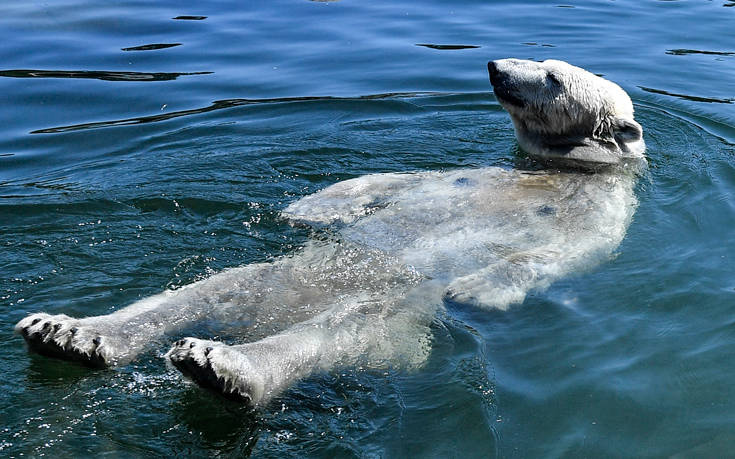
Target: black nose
492	69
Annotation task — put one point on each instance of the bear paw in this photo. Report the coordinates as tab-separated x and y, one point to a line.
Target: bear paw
67	338
219	367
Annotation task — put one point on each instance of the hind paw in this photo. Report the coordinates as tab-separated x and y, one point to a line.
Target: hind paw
219	367
67	338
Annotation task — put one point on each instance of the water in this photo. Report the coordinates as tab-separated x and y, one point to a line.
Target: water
127	167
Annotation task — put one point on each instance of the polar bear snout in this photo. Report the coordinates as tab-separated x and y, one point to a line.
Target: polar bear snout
492	70
498	78
501	84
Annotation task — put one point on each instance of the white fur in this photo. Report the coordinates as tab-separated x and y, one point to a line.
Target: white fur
564	113
394	248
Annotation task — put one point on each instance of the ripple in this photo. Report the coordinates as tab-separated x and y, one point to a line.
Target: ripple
684	52
219	105
543	45
446	47
688	97
97	74
152	46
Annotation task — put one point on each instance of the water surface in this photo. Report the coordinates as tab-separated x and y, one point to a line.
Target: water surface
146	145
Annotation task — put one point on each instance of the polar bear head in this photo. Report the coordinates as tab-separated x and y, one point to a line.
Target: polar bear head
567	115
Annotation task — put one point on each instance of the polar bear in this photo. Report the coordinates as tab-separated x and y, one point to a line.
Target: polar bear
390	250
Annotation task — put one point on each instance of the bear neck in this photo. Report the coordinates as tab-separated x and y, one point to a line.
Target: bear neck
579	152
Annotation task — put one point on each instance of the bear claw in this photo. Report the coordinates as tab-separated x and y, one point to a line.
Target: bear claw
62	337
201	364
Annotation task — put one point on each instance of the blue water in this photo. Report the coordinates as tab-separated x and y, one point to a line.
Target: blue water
145	145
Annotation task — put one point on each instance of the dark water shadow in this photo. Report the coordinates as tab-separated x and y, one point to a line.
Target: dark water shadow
219	105
189	18
225	426
688	97
55	373
150	47
96	75
446	47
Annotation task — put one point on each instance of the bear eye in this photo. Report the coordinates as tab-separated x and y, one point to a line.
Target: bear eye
553	79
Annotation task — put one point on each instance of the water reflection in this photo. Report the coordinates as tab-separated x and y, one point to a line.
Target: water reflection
445	47
97	74
152	46
227	427
52	373
684	52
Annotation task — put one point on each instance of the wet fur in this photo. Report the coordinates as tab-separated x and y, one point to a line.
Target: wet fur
390	250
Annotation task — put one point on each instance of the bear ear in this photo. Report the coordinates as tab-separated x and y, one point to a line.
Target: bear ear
626	130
